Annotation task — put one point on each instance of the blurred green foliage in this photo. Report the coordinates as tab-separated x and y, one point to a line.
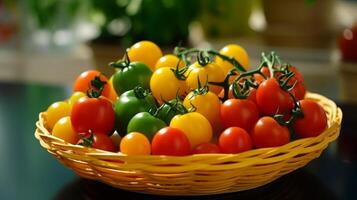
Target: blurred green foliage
162	21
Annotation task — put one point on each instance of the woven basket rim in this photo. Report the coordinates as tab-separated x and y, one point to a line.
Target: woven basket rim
334	123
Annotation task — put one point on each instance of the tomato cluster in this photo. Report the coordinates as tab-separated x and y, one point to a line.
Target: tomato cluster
191	102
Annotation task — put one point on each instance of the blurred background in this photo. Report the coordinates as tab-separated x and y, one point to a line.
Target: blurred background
52	41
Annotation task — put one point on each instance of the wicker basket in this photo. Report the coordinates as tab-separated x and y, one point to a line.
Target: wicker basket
200	174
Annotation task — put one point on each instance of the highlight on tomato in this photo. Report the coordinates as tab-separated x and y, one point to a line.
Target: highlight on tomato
171	142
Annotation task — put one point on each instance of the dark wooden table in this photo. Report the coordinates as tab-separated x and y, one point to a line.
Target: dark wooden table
27	171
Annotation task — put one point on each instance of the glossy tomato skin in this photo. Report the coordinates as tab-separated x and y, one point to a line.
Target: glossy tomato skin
145	123
55	112
93	114
314	121
206	148
146	52
196	127
128	105
234	140
235	51
208	105
169	60
103	142
83	82
63	129
267	132
239	113
211	71
272	99
135	143
171	142
136	74
165	85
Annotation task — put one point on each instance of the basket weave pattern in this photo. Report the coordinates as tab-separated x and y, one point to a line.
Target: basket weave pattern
199	174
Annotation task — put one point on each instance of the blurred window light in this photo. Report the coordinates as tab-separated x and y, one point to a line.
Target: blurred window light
119	26
257	20
133	7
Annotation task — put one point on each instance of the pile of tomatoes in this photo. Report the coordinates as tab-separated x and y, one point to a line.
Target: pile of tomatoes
193	101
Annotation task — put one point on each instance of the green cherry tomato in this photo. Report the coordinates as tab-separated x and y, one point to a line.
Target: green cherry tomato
130	75
129	104
145	123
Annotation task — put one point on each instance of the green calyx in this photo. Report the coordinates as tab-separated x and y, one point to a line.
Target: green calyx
123	63
140	92
96	87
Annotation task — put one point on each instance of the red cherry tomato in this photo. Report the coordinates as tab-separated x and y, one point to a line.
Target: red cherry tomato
83	82
272	99
267	132
240	113
299	89
314	121
171	142
93	114
103	142
206	148
234	140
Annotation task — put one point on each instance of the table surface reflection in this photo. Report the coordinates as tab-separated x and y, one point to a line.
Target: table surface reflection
27	171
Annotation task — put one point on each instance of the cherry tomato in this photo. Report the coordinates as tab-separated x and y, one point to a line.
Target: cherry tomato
208	104
131	75
272	99
195	126
234	140
63	129
299	89
112	96
83	82
171	142
55	112
165	85
169	60
93	114
135	143
206	148
235	51
314	121
146	52
103	142
211	71
145	123
267	132
240	113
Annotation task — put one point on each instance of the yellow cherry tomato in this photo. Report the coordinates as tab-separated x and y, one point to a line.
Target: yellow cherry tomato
75	97
195	126
55	112
146	52
208	104
135	143
235	51
63	129
165	85
211	71
113	97
169	60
